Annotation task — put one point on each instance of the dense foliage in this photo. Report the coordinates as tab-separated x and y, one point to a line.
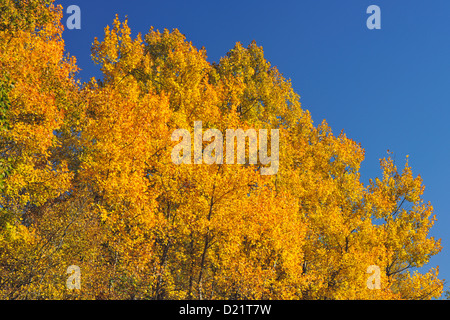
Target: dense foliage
86	179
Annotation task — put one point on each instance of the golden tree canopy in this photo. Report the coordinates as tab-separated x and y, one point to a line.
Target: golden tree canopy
86	179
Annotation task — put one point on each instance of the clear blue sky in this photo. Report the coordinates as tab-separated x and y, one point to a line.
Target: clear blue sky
387	88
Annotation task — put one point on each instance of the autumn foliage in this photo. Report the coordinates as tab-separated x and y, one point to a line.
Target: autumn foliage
86	179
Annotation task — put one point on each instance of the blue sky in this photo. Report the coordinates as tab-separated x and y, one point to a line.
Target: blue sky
387	88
